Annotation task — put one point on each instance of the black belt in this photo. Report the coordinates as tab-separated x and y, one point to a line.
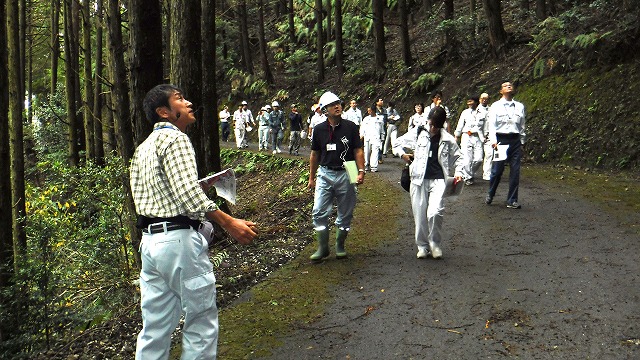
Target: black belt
509	135
159	228
334	168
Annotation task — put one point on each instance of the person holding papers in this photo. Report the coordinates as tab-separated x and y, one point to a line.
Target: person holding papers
435	155
506	121
176	277
335	147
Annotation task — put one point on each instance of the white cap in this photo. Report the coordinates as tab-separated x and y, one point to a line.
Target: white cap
268	107
275	103
244	103
327	98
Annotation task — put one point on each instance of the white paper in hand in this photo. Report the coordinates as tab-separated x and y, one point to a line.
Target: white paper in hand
224	182
501	153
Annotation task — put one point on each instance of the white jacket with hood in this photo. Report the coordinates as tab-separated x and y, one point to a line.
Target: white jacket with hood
418	140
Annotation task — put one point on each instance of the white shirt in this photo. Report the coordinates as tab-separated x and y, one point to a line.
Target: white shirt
238	119
354	115
315	120
224	116
506	117
471	120
372	128
417	120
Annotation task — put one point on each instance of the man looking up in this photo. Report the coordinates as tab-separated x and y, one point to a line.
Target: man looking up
334	142
507	127
176	276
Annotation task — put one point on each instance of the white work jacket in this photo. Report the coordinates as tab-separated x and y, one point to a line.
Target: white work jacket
471	121
372	129
506	117
449	155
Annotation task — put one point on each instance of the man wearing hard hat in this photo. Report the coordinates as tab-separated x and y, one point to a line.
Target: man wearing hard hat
276	123
334	142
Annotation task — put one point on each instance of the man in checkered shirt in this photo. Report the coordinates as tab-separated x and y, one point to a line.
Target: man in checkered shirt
176	276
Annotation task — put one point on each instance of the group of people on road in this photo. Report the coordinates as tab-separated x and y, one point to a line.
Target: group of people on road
177	276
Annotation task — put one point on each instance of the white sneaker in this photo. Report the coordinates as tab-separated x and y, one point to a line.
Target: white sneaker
436	253
422	254
278	150
274	152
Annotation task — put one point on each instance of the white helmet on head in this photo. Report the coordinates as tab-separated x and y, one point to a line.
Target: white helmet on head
244	102
327	98
267	107
275	103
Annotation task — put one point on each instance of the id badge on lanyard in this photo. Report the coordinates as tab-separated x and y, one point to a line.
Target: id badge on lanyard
331	147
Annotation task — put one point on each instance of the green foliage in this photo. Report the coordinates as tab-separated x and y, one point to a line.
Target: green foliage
246	84
78	269
425	82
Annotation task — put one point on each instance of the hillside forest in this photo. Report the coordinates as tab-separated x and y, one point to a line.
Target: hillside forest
73	74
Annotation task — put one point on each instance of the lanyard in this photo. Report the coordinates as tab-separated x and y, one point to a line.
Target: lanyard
330	132
164	127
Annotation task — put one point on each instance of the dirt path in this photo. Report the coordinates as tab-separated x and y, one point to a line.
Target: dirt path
558	279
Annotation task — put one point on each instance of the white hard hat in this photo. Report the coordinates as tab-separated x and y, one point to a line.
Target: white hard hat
244	103
275	103
327	98
268	107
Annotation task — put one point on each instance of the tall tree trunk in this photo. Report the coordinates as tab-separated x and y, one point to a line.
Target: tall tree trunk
70	84
22	18
108	128
209	115
244	36
98	139
320	42
329	26
292	26
378	25
263	45
404	33
497	35
449	32
76	24
541	9
55	44
474	16
6	206
145	23
29	45
339	42
16	135
186	63
120	113
88	81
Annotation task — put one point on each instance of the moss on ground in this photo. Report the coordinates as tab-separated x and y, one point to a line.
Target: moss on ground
299	293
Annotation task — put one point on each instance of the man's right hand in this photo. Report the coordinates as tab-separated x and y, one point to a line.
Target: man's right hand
242	231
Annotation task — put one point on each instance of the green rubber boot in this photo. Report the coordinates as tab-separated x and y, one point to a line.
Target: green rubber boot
341	236
323	245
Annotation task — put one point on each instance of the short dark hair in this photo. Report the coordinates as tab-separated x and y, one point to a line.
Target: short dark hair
158	97
438	116
436	93
474	98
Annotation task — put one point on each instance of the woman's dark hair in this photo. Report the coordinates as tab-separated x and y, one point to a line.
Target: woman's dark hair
438	116
158	97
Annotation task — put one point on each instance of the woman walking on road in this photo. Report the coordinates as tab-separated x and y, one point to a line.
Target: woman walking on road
435	153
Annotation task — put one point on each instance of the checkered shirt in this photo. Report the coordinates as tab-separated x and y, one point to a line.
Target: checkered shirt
164	177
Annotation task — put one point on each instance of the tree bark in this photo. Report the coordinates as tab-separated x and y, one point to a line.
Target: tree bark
319	41
145	23
22	18
339	41
70	50
449	33
55	44
378	25
327	7
186	64
98	139
497	35
405	42
268	76
88	82
292	26
541	9
209	116
16	135
6	206
244	36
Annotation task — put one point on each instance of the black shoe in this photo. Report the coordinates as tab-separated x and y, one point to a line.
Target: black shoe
488	200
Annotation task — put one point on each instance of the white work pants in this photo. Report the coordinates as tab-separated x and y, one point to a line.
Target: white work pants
177	277
371	150
488	161
392	135
428	211
240	137
263	137
472	152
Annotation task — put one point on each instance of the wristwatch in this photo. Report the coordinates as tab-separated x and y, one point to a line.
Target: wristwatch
361	170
